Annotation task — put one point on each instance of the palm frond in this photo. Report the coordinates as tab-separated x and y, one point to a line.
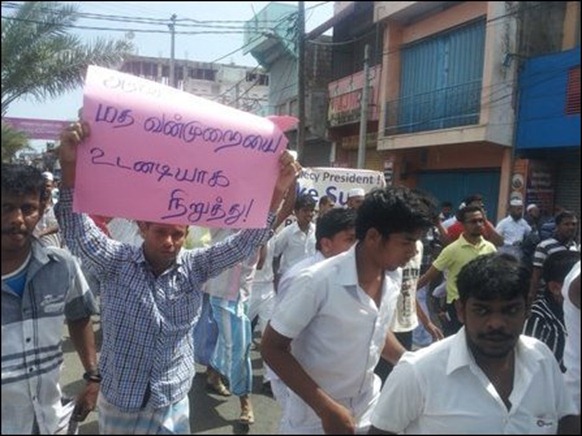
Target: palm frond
41	59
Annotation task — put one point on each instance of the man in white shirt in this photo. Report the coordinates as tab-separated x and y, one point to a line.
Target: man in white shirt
514	229
487	378
296	241
335	233
326	336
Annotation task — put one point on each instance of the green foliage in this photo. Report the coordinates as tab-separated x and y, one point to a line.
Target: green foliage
13	141
41	59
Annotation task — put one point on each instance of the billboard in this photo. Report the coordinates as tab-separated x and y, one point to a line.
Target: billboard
37	129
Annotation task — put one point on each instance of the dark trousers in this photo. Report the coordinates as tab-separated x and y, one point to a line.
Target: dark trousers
384	368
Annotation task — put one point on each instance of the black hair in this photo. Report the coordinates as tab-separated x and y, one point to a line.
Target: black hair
473	197
446	204
493	276
430	202
332	222
561	216
463	212
19	179
558	265
393	209
304	201
324	199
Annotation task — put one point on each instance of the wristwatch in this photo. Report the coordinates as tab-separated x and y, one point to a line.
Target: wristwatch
92	376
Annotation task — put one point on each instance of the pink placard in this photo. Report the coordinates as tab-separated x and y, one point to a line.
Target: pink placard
161	155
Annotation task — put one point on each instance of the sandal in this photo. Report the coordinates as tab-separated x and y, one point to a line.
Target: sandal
247	417
218	388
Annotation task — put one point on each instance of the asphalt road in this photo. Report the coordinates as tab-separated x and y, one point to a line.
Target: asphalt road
209	413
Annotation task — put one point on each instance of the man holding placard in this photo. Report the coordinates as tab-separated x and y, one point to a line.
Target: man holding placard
151	297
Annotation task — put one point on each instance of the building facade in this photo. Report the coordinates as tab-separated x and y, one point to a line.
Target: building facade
447	93
271	38
245	88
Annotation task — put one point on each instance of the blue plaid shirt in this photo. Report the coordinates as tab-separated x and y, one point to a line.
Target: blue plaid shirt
147	355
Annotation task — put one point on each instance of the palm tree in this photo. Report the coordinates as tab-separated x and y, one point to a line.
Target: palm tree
41	59
13	141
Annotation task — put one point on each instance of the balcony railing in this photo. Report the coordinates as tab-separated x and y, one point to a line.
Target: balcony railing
448	107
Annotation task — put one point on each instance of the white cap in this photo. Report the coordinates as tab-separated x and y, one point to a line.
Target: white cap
531	206
48	176
516	202
356	192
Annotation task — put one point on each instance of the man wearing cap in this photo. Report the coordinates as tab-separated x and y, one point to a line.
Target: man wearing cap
514	229
47	229
355	198
532	215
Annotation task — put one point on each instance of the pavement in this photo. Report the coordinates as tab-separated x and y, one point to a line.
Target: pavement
209	413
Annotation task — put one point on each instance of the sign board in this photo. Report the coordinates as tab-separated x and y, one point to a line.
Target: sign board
37	129
532	181
336	182
161	155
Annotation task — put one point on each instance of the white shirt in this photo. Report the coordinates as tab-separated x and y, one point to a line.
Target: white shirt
235	282
293	245
572	347
449	222
440	389
124	230
513	232
265	274
338	335
287	278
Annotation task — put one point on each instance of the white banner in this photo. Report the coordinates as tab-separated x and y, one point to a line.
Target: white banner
336	182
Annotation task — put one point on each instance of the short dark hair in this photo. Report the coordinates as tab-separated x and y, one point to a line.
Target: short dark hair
393	209
463	212
332	222
561	216
19	179
558	265
324	199
304	200
446	204
473	197
492	276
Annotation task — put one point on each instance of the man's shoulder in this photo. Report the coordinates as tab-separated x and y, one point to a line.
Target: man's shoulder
533	348
51	252
327	270
548	244
431	358
504	221
488	246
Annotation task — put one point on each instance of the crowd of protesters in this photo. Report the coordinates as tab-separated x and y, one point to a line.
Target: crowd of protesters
340	296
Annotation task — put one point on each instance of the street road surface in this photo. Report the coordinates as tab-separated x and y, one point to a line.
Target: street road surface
209	413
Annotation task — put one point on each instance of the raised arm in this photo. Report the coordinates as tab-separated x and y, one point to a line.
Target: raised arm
71	137
288	171
80	233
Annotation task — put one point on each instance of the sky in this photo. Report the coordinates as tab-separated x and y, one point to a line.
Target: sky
197	47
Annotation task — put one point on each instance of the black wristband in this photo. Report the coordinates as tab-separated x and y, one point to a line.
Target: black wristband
93	376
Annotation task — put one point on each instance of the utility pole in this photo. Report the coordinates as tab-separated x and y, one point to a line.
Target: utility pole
364	109
301	80
172	26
